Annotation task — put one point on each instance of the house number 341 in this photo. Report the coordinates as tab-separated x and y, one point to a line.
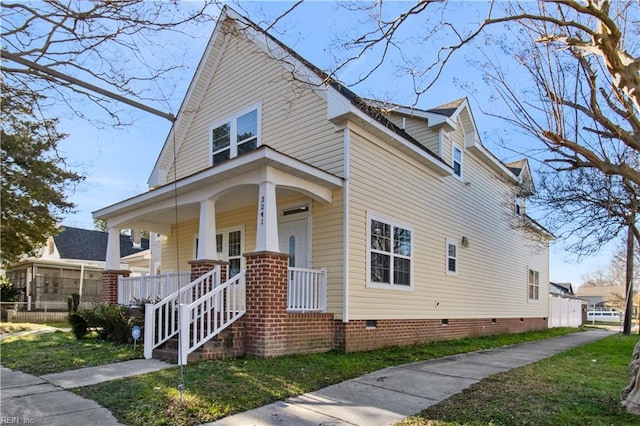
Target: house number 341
262	210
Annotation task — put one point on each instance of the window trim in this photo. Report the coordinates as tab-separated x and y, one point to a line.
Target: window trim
225	243
232	119
536	275
455	147
394	224
451	242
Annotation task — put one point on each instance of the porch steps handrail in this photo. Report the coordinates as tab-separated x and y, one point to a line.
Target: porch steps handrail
307	290
161	320
150	287
206	317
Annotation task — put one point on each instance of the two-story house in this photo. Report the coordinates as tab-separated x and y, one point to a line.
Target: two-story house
312	219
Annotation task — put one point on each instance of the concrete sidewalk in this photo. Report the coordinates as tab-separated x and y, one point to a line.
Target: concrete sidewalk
27	399
388	396
380	398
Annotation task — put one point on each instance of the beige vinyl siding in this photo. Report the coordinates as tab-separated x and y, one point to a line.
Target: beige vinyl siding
418	128
492	277
293	116
186	231
327	248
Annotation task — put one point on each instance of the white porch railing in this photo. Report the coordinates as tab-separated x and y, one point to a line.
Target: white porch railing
307	290
150	287
210	314
161	319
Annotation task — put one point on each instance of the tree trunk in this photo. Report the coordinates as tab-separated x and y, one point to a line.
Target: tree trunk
628	315
630	396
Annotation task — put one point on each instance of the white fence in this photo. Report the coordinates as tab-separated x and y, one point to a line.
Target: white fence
307	290
150	287
564	312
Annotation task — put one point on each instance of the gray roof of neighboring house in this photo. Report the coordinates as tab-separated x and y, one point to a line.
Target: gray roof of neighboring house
566	288
86	244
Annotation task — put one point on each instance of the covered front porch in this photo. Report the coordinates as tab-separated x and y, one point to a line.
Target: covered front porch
251	219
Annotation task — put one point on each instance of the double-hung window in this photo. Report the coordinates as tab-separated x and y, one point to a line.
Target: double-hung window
534	285
236	135
457	161
229	247
390	253
452	256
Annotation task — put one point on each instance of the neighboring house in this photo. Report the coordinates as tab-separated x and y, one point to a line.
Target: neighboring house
563	289
341	222
70	262
609	297
565	309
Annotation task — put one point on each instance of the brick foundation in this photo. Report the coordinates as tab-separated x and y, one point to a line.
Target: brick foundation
356	336
309	333
109	284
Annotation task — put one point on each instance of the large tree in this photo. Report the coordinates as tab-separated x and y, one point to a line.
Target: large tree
34	179
123	47
53	54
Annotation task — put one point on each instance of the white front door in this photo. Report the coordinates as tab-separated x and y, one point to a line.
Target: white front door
294	241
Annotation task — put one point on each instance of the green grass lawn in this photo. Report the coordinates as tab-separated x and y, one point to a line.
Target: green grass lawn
577	387
580	386
215	389
55	352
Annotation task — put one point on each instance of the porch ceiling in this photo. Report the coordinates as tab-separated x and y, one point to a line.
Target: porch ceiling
232	184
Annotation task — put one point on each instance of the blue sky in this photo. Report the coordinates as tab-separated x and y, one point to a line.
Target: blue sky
117	162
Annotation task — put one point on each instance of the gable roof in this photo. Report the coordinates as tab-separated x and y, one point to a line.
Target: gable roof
317	77
449	108
86	244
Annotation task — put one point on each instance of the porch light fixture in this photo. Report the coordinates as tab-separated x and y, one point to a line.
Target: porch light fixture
465	242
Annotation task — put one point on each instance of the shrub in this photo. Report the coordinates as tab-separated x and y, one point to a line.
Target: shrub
114	322
79	325
8	293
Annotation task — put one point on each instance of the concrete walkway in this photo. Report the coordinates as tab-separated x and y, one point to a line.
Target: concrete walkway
27	399
380	398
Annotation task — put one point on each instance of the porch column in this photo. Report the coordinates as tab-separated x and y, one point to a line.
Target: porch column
112	259
109	284
207	231
109	280
267	227
266	303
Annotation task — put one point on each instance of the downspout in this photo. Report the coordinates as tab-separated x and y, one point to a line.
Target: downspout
345	226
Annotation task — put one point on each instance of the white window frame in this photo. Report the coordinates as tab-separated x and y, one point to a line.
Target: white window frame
394	224
519	203
535	284
452	242
224	255
232	120
455	148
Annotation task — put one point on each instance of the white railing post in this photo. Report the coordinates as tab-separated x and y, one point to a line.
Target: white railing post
183	334
120	291
143	288
149	329
323	290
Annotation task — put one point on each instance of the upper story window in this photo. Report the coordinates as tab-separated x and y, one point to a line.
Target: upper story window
235	135
519	204
457	161
390	253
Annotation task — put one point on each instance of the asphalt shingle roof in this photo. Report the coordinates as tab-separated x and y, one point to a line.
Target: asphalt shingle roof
86	244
